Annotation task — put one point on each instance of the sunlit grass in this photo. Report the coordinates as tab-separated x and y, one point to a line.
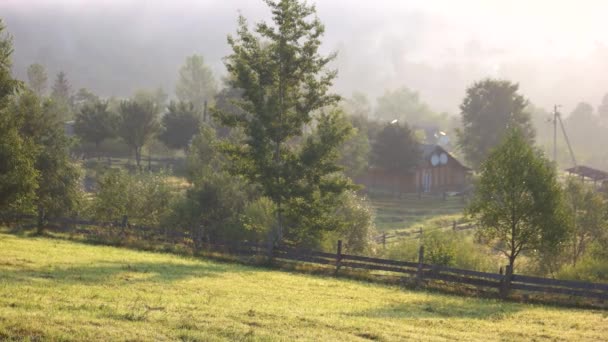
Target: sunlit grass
59	290
410	212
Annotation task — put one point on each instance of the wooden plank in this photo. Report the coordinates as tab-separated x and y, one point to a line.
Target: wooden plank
305	252
557	290
380	261
556	282
468	272
461	280
297	257
373	267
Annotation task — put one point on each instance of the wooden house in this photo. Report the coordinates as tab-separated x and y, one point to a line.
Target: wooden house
437	172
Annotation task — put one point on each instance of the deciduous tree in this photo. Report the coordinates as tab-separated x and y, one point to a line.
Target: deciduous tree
137	124
395	149
518	201
179	125
95	123
196	83
489	109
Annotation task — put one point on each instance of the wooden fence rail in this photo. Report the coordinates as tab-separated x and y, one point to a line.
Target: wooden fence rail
417	271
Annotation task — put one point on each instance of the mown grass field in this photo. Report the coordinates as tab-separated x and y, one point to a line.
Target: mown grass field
60	290
410	212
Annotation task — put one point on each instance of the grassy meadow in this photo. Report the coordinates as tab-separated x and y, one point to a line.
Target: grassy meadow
409	212
58	290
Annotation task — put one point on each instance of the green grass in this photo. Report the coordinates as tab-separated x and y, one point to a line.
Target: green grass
409	212
60	290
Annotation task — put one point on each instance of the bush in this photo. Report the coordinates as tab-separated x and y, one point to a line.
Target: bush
357	229
446	248
144	198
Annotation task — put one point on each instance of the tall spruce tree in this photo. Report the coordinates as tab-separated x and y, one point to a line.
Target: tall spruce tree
284	81
62	97
18	176
37	78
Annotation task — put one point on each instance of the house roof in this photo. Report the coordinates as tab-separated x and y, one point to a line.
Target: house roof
428	149
588	172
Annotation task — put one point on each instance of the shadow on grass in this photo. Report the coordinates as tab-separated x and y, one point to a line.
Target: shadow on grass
443	308
117	272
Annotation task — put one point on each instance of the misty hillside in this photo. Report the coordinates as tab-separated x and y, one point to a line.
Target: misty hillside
437	49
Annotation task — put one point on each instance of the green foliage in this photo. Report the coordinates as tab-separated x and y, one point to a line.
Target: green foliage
58	190
453	249
518	201
405	105
95	123
489	109
83	97
145	198
395	149
355	154
358	105
284	81
61	95
37	79
357	228
179	125
589	223
137	124
196	84
157	97
17	152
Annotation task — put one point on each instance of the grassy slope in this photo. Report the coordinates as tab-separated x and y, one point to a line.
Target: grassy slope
57	290
410	212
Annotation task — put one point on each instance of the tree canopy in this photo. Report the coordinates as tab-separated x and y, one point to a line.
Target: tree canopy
518	201
395	149
37	79
95	123
196	83
489	109
285	81
137	124
180	124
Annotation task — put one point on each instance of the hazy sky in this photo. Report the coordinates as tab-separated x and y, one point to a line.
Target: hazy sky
556	50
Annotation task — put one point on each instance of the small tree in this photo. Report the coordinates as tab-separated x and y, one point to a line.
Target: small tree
37	79
490	107
518	201
196	83
395	149
61	95
137	124
18	176
95	123
179	125
589	222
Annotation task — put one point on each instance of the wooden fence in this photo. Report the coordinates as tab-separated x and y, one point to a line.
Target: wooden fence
417	272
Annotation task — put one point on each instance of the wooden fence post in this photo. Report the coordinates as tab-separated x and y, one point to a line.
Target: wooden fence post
123	226
41	214
338	256
419	273
384	240
505	282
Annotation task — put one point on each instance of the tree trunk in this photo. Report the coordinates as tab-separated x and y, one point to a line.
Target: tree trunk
138	157
279	236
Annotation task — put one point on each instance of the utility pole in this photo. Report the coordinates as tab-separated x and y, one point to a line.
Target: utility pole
555	134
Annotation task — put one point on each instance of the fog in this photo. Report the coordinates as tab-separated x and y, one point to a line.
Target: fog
556	50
